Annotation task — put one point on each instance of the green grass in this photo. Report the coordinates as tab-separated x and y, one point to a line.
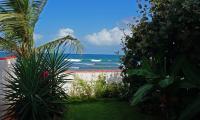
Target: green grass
103	110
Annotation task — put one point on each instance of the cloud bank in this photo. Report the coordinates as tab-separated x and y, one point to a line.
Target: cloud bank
107	37
63	32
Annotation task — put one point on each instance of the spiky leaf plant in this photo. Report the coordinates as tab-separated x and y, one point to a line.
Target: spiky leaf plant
34	89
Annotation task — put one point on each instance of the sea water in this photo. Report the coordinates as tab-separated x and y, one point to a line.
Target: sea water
88	61
93	61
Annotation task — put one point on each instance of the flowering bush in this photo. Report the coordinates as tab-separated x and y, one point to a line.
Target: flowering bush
34	90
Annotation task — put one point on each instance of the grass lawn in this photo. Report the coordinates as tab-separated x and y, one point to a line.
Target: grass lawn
103	110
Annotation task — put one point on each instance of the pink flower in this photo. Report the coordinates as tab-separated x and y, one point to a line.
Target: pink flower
45	74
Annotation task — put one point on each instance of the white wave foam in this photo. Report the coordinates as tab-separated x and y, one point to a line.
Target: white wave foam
75	68
96	60
89	64
74	60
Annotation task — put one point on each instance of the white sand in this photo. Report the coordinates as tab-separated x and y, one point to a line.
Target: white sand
110	75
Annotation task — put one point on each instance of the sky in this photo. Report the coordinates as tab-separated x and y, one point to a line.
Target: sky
97	24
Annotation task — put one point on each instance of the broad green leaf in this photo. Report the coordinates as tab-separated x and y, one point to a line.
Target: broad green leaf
166	82
141	92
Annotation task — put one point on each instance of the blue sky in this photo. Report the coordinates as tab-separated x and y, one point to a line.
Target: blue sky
96	23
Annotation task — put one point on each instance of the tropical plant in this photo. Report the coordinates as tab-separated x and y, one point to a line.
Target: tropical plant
33	90
161	64
155	89
169	94
81	89
95	89
17	23
100	86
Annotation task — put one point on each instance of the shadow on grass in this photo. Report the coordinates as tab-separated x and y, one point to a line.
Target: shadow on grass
103	110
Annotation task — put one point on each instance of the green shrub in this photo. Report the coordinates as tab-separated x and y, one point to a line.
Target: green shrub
100	86
34	89
81	89
161	62
116	90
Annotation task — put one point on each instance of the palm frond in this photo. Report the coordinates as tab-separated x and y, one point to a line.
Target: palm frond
8	45
30	9
15	23
17	6
7	16
14	17
68	40
37	7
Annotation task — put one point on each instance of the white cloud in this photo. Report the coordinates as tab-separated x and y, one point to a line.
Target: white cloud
37	36
66	31
107	37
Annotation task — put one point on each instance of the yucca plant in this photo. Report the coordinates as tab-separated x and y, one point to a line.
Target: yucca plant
34	87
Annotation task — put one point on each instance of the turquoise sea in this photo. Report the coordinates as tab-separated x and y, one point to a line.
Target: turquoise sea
94	62
89	61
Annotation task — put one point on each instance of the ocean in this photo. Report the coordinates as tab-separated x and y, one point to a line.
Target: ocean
94	61
89	61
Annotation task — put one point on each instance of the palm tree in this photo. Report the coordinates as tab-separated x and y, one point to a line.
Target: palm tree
17	22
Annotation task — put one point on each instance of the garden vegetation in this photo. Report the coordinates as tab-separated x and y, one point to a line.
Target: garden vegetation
161	64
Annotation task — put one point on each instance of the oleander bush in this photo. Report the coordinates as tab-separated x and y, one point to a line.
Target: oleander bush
34	87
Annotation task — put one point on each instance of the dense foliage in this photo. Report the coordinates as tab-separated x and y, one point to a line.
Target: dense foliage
161	64
33	90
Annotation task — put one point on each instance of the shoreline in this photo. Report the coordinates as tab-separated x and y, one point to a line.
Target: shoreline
90	75
8	58
92	71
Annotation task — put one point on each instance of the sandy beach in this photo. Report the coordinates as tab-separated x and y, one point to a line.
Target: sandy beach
92	75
